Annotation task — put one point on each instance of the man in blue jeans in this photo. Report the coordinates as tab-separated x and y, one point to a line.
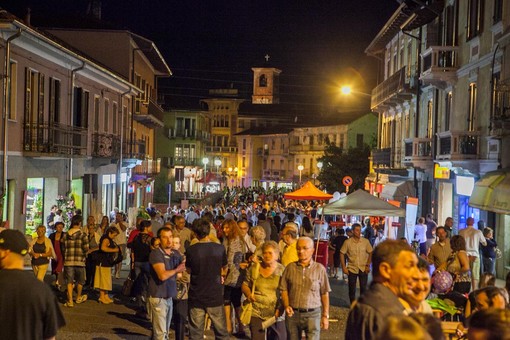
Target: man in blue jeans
207	262
165	264
305	291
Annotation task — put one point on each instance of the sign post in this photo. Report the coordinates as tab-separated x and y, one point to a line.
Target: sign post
347	181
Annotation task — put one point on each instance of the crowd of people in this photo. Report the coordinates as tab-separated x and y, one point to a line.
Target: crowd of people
248	270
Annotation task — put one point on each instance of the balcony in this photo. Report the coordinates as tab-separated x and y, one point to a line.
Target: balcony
274	175
149	167
105	145
172	162
458	145
57	139
296	148
192	134
153	118
394	90
417	150
221	149
381	157
134	149
439	66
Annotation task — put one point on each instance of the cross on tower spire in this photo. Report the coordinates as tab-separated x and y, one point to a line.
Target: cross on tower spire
266	57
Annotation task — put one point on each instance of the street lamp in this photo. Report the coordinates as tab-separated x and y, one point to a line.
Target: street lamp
347	90
205	161
300	168
217	162
319	166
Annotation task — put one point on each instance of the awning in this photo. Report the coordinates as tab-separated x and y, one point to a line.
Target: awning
492	192
398	191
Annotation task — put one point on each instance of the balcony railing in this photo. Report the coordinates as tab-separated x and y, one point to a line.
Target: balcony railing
306	147
440	65
153	118
458	145
134	149
381	157
189	133
181	161
394	89
274	175
500	122
221	149
55	138
417	149
149	167
105	145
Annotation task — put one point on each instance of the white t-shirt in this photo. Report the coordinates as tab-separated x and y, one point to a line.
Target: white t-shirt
420	230
121	238
473	239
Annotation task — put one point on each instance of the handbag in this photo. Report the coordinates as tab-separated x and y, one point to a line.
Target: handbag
127	287
499	253
247	307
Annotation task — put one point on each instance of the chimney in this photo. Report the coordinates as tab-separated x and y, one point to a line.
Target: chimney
27	17
94	9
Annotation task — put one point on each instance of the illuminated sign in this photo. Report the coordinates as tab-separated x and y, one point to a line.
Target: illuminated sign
441	172
464	185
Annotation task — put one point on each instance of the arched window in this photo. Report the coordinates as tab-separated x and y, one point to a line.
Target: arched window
263	81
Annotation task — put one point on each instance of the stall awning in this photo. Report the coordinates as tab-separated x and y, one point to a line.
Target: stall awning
398	191
492	192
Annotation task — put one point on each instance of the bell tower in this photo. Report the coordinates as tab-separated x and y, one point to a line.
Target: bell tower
266	84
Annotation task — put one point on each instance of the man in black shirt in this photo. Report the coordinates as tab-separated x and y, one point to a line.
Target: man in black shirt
207	262
29	308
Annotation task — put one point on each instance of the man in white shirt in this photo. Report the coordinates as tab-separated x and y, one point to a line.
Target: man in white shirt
120	239
420	234
474	238
191	216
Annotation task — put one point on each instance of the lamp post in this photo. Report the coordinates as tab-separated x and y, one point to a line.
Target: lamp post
300	168
319	166
205	161
217	162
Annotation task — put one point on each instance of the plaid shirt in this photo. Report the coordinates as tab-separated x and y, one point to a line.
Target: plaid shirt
76	245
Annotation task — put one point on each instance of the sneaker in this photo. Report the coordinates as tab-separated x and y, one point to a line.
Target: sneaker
69	304
82	299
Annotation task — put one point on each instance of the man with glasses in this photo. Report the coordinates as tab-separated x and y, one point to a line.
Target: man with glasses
305	291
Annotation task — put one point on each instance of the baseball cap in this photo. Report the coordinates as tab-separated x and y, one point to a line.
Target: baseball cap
14	240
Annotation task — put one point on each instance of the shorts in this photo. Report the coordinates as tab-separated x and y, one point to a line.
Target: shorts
232	295
123	248
475	269
74	274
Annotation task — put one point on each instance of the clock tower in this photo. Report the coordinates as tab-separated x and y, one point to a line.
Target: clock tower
266	84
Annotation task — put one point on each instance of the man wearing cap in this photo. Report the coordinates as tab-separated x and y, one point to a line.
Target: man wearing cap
29	308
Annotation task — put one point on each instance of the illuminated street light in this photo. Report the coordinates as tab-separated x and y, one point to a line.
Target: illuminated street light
300	168
205	161
217	162
319	166
346	90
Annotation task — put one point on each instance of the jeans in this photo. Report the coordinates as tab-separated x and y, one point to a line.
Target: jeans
310	322
197	322
161	311
352	278
180	318
141	284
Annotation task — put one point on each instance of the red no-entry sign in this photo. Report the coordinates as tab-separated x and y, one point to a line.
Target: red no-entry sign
347	181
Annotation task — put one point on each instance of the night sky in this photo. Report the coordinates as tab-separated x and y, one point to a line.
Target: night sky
214	43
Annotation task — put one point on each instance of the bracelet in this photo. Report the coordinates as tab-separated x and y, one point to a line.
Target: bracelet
325	316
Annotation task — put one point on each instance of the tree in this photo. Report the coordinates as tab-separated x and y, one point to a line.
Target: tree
337	164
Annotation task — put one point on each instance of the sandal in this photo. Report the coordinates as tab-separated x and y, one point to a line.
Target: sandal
81	299
104	302
69	304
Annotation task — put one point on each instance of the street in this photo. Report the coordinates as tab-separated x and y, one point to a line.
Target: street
92	320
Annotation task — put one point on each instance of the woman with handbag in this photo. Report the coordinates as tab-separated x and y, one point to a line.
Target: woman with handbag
41	251
261	290
458	265
236	250
489	252
94	241
103	276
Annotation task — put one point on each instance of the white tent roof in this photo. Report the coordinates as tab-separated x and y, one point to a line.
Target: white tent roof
361	202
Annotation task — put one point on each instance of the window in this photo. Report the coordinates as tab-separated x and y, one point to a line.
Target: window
244	162
96	114
474	18
498	11
31	96
448	111
244	143
114	118
54	101
80	107
106	115
12	90
263	81
359	140
472	107
138	82
450	25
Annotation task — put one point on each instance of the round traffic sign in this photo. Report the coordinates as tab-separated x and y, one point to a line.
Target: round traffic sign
347	181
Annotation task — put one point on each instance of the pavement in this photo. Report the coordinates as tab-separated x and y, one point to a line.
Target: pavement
92	320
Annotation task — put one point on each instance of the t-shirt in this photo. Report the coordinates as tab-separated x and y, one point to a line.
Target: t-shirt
205	261
421	232
29	310
168	288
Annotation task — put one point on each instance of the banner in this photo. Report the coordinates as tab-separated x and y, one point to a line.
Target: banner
411	212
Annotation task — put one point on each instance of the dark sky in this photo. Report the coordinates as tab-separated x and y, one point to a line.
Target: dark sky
212	43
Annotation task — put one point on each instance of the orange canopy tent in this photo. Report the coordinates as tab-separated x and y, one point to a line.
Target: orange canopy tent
308	192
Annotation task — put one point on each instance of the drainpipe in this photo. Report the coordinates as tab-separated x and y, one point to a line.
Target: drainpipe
71	106
492	87
5	112
119	165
